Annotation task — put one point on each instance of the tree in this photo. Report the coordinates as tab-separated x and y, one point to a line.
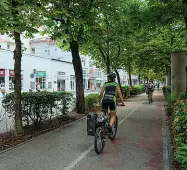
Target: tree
68	22
19	16
111	43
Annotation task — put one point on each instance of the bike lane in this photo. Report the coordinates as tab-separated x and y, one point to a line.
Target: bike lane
138	144
70	148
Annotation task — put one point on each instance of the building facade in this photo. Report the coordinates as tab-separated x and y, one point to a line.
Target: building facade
46	66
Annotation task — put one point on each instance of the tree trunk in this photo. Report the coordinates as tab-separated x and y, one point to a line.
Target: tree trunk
139	79
80	103
108	65
178	67
130	80
17	83
118	78
169	76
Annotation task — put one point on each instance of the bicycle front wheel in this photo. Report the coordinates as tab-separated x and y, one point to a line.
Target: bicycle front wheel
99	142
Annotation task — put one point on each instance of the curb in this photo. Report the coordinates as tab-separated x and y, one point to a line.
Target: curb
29	140
167	151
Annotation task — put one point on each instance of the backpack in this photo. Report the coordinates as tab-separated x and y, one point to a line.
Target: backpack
150	88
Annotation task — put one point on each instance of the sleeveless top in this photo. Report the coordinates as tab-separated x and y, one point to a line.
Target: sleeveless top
110	90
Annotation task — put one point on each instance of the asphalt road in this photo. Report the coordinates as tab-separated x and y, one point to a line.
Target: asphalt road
138	144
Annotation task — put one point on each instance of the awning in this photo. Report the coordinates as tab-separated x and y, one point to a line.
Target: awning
62	78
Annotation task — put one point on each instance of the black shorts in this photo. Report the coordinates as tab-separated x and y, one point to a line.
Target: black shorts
109	104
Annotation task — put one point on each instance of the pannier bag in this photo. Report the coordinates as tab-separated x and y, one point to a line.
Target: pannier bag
91	124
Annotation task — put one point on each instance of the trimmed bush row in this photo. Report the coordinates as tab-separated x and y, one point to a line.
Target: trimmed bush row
138	89
134	90
92	101
42	106
176	106
39	106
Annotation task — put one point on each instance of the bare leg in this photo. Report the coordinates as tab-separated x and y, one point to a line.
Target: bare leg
112	118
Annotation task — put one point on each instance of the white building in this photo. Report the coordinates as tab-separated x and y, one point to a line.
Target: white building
52	75
44	63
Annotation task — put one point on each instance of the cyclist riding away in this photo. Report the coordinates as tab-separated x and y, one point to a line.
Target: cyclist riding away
109	98
150	89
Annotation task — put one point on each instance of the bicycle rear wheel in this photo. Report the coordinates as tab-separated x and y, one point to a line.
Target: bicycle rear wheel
149	96
114	129
99	135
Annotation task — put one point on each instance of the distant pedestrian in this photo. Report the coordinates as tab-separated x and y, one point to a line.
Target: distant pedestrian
158	86
3	91
38	87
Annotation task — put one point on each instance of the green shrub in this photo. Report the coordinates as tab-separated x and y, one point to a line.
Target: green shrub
39	106
125	91
140	88
181	155
166	90
137	89
91	100
170	100
180	122
179	127
133	90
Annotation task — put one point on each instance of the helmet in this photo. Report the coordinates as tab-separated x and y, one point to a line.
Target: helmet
111	76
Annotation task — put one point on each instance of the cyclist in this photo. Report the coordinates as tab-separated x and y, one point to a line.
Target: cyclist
109	98
150	89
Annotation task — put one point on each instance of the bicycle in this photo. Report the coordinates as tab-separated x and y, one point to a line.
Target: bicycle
102	130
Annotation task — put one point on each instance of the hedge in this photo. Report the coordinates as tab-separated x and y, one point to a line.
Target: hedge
125	91
179	127
91	101
39	106
176	106
166	90
137	89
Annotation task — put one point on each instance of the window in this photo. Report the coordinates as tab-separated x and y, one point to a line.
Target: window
90	63
98	74
84	84
83	61
11	83
33	50
84	73
8	46
2	82
42	82
72	82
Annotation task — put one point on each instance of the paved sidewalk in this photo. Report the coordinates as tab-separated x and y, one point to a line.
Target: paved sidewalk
138	144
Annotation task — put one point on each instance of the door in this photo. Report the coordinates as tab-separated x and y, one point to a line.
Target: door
63	85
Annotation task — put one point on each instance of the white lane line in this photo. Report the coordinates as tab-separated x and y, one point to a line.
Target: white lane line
130	113
76	161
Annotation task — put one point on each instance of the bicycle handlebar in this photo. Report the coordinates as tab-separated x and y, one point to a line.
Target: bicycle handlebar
120	105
